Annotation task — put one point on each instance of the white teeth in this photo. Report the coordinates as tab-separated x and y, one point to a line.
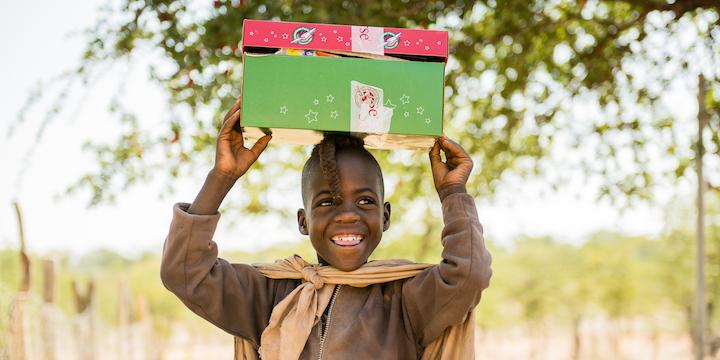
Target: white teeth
349	239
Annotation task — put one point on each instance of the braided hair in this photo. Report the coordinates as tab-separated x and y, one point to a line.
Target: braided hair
325	153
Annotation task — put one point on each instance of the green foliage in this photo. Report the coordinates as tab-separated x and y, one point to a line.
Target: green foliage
536	281
582	80
273	253
9	283
143	280
10	274
623	265
676	268
540	280
516	72
536	295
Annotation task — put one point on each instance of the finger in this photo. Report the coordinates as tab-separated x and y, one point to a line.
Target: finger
462	165
237	105
435	153
237	127
230	121
452	149
226	131
456	162
260	145
439	169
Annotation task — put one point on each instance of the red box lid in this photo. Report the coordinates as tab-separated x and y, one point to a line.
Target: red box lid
330	37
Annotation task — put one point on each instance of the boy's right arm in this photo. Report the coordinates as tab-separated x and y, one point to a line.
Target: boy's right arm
234	297
232	160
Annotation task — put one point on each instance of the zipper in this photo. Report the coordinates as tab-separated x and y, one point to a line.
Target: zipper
336	291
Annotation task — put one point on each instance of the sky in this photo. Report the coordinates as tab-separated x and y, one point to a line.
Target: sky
37	44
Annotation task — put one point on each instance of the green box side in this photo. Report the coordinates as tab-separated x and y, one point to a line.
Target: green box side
307	92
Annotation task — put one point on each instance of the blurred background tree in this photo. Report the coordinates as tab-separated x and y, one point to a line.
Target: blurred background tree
533	88
517	74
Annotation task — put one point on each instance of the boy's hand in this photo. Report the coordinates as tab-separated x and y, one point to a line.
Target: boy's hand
455	171
232	158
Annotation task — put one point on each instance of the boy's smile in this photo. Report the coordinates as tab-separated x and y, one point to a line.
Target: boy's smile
345	234
347	239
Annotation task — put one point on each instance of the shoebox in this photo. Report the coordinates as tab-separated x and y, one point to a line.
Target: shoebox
382	84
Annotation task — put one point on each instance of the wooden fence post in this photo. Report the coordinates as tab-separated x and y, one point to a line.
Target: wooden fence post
84	327
19	303
48	310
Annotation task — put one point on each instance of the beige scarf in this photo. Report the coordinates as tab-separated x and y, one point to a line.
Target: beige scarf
292	319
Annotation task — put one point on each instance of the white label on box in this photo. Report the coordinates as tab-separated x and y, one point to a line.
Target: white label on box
368	39
367	112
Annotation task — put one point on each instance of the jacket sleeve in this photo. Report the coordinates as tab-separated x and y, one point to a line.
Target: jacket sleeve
442	295
234	297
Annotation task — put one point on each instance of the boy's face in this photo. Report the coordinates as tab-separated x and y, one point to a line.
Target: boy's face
344	235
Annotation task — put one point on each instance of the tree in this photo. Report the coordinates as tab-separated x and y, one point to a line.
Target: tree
516	72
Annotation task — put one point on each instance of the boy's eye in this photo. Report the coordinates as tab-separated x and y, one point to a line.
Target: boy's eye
325	203
366	201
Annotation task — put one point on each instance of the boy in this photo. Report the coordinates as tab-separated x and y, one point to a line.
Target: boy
344	214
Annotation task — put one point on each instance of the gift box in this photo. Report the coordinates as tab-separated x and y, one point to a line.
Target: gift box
382	84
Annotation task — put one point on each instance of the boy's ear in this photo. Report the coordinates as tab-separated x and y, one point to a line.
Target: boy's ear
386	216
302	222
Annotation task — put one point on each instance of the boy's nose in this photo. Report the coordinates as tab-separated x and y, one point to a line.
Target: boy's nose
347	215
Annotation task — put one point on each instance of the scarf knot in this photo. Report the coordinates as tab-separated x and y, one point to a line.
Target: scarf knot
310	274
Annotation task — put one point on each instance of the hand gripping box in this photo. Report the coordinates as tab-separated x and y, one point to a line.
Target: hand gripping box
382	84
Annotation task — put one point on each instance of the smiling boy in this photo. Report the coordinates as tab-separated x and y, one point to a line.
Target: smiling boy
344	219
344	214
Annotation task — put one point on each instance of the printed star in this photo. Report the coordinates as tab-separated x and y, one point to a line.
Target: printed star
334	31
404	99
439	43
427	48
323	39
427	120
347	43
272	32
334	114
311	116
339	39
329	98
285	36
316	101
420	40
251	33
283	109
390	104
406	114
265	39
407	42
420	110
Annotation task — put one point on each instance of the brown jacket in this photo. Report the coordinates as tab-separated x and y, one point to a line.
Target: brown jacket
393	320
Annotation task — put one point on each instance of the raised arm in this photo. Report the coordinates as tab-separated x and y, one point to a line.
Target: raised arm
443	295
232	160
234	297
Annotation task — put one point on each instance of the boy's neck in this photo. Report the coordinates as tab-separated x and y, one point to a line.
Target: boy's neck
322	261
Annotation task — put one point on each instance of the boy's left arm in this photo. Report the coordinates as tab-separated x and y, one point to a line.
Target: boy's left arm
443	295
